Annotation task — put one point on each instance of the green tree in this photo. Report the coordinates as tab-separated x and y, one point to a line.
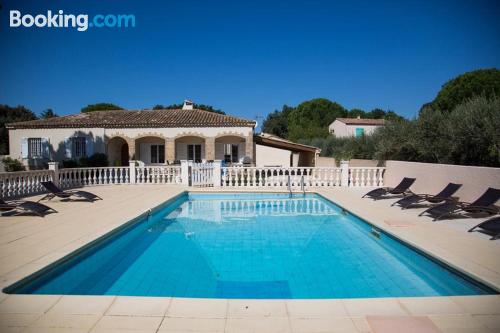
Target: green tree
10	114
204	107
310	119
483	82
100	107
159	107
474	135
276	122
49	113
354	113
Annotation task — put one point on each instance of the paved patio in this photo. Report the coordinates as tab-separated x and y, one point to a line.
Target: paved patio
30	243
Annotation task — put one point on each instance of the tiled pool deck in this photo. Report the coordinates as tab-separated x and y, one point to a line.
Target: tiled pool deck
30	243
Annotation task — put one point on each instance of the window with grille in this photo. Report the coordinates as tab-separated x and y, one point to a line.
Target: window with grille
78	146
35	148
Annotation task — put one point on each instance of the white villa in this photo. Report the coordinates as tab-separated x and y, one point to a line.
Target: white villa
348	127
154	137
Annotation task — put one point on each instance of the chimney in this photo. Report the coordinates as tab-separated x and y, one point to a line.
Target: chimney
188	105
358	117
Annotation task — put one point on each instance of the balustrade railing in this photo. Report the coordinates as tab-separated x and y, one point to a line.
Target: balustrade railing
158	175
16	184
93	176
280	177
22	183
366	176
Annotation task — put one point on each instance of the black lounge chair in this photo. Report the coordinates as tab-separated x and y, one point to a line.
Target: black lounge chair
444	196
387	192
19	207
483	205
55	191
491	226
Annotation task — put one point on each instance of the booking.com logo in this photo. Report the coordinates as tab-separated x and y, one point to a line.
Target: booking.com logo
61	20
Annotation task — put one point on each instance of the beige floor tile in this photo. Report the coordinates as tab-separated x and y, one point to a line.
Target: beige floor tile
398	324
129	323
455	321
258	325
66	321
111	330
197	308
315	308
3	297
54	330
489	321
12	329
171	324
256	308
323	325
90	305
431	305
479	304
468	330
139	306
374	306
361	324
28	303
17	319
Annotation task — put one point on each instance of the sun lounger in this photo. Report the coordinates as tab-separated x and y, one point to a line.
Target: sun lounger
386	192
483	205
415	199
19	207
55	191
491	226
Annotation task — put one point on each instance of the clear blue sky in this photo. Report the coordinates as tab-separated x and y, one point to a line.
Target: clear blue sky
247	58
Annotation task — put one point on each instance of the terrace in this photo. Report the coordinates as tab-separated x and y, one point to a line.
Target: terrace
29	244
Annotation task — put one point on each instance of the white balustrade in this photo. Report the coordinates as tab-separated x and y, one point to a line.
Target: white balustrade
280	177
366	176
22	183
16	184
74	177
162	174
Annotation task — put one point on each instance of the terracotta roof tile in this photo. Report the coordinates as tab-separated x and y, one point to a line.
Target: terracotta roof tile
140	118
356	121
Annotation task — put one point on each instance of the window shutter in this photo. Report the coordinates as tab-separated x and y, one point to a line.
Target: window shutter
67	144
89	146
45	148
24	147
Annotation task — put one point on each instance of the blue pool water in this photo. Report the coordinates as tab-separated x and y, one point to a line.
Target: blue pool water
249	246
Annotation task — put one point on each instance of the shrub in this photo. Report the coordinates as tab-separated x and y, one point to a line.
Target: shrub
12	164
96	160
66	164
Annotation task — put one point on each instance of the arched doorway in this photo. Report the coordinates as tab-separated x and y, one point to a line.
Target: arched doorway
124	155
118	152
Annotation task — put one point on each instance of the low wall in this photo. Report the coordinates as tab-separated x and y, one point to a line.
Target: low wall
431	178
325	162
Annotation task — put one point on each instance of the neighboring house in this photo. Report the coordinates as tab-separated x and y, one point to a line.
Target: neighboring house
348	127
155	137
272	150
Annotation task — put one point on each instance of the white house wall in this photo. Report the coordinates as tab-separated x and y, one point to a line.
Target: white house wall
341	130
270	156
100	136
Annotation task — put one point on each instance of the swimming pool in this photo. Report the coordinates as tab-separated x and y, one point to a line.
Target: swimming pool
249	245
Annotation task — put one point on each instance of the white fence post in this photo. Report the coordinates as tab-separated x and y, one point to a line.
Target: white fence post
217	173
54	166
132	172
185	173
344	173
